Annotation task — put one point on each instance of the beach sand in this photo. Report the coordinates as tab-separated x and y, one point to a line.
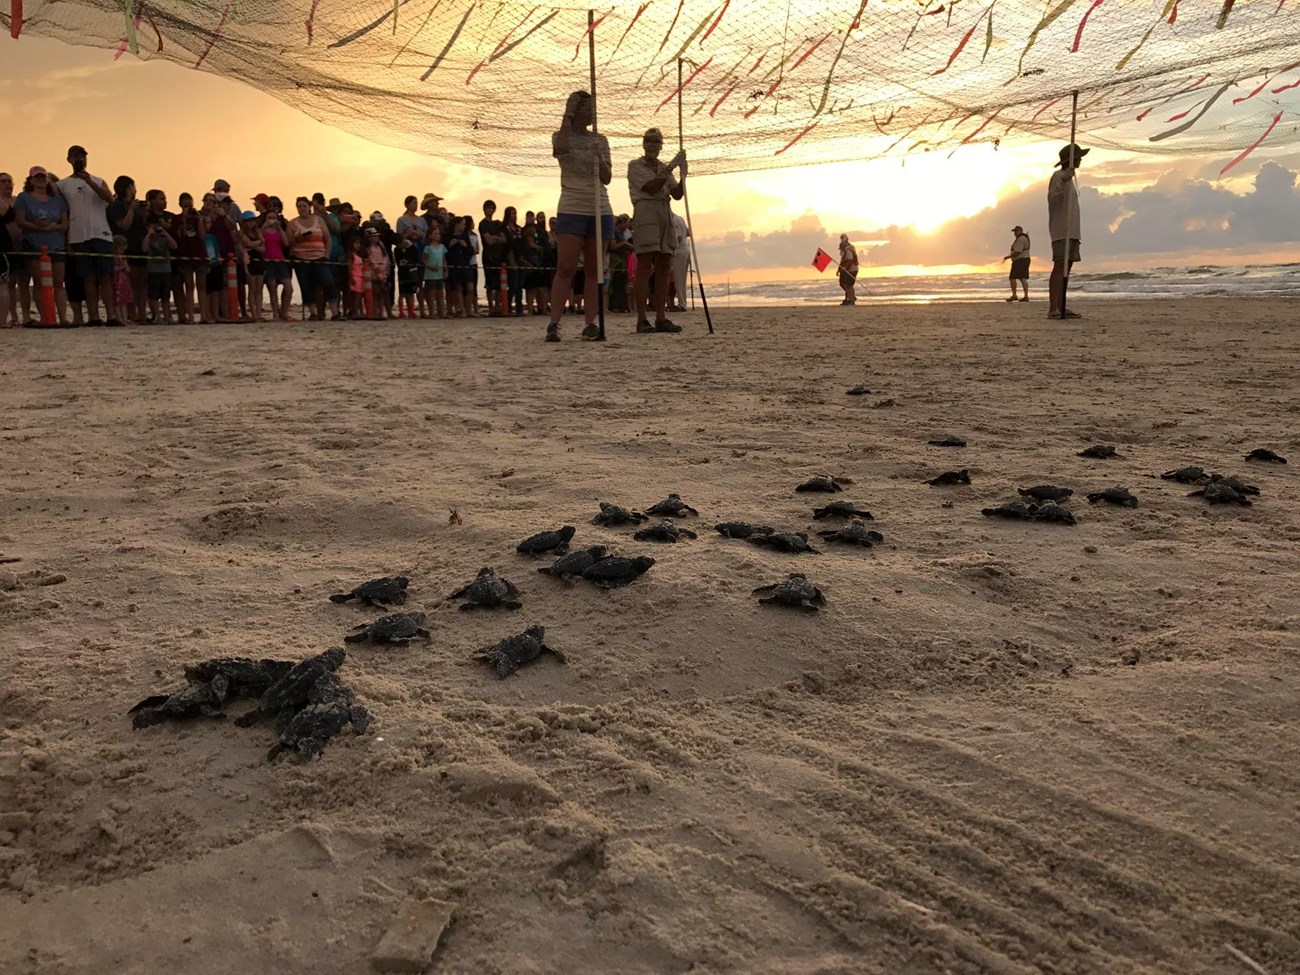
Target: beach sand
1001	747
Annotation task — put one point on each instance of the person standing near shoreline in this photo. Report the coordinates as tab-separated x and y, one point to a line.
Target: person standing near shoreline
1019	258
848	275
654	238
583	157
1063	222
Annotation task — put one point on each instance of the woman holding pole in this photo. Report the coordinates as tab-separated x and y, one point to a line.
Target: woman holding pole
580	154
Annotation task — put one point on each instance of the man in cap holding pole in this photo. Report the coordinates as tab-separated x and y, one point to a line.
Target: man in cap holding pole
654	239
1063	222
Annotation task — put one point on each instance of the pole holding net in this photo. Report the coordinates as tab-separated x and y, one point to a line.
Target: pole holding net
686	202
599	269
1070	229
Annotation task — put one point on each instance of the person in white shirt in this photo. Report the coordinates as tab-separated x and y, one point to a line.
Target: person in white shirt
90	241
650	184
1063	222
681	264
1019	258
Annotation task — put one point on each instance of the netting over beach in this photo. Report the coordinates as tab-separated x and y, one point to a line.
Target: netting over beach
766	83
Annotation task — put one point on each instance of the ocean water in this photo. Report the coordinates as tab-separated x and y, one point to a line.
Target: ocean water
1204	281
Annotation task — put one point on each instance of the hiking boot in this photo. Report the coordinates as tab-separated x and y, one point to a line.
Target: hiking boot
667	326
643	327
592	331
552	332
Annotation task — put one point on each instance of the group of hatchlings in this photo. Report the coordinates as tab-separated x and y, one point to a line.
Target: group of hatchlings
309	705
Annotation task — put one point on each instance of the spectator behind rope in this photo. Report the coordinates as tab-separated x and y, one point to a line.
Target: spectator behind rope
42	216
90	240
309	246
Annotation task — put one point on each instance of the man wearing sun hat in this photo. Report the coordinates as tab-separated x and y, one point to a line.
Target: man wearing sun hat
1063	222
1019	258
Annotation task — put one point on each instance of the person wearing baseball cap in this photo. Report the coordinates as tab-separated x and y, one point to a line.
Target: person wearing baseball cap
1019	258
1063	223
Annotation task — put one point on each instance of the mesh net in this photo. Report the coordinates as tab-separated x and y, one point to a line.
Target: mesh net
764	83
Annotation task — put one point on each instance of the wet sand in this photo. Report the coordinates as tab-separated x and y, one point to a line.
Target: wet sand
1001	747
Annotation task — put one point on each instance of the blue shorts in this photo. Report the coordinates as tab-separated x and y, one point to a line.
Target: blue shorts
93	258
584	226
276	271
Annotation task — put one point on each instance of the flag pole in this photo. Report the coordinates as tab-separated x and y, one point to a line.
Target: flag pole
599	269
686	201
1070	228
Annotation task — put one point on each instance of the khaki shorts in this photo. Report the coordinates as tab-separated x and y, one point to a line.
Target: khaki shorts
652	228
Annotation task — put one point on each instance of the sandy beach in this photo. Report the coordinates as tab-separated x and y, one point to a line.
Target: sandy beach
1001	747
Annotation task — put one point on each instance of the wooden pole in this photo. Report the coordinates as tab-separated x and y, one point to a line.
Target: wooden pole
599	269
1070	228
686	201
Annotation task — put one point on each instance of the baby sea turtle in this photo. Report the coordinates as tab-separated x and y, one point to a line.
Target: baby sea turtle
209	685
616	571
566	567
1100	451
1114	495
388	591
855	533
611	515
950	477
792	543
949	441
1045	492
1050	511
795	591
664	531
309	729
823	483
294	689
859	391
1236	483
1187	475
673	506
1012	509
556	541
515	651
393	628
488	591
741	529
1221	492
842	509
1264	454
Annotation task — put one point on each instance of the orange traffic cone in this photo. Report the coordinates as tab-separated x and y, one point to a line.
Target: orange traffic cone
49	313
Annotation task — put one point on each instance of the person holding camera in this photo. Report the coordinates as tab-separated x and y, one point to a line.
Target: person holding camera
90	240
309	247
654	238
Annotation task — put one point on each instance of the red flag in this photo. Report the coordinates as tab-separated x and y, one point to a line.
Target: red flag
822	261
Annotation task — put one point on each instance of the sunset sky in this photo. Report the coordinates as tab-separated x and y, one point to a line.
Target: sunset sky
178	129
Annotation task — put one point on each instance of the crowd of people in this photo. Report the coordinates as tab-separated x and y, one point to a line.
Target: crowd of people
119	257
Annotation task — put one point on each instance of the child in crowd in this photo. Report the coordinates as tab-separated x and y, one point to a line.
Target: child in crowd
250	241
434	261
357	278
123	296
380	273
460	300
158	247
408	275
279	279
189	230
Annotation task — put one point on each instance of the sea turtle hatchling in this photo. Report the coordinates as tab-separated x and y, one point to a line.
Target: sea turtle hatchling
822	483
664	531
1050	511
842	509
1264	454
396	628
488	591
948	478
611	515
854	533
859	391
948	441
210	684
294	689
309	729
513	652
1236	483
1100	451
792	543
741	529
1012	509
1045	492
796	591
1114	495
1187	475
1220	492
672	506
567	567
617	571
556	541
388	591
